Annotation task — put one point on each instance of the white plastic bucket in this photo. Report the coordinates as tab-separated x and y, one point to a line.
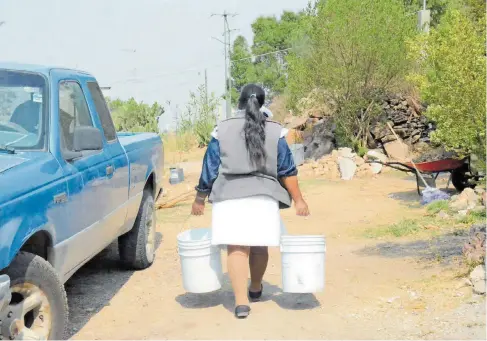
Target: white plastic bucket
201	263
303	263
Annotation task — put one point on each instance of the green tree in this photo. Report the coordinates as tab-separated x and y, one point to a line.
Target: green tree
242	67
134	116
270	35
475	10
269	68
451	76
356	52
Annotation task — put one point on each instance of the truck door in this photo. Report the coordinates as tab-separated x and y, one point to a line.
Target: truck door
92	191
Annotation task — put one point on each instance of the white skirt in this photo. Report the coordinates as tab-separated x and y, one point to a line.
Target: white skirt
253	221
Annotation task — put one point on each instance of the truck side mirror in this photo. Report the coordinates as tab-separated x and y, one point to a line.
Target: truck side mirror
87	139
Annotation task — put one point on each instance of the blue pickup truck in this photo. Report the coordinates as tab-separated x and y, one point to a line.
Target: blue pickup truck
69	186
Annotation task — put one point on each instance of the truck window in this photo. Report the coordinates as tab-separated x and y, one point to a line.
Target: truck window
103	112
23	110
73	111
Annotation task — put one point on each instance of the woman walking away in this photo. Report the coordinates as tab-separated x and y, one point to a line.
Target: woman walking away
249	174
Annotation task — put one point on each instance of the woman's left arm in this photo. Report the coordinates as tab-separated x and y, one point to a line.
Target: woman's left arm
285	161
287	174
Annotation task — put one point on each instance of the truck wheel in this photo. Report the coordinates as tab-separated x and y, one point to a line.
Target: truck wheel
39	307
138	246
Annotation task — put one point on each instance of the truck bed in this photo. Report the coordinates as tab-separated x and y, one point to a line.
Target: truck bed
134	141
143	149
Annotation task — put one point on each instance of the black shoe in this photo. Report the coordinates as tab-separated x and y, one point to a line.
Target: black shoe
242	311
255	296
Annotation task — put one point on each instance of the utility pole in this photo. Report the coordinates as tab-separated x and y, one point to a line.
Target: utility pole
227	43
424	19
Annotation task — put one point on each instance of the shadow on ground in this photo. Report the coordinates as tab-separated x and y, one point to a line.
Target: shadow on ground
443	248
225	297
93	286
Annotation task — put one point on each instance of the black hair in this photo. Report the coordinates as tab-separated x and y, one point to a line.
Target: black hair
251	100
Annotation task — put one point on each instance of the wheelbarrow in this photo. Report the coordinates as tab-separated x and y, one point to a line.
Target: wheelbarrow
460	175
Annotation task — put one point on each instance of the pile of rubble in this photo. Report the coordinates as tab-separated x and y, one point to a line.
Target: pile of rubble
316	129
343	164
404	115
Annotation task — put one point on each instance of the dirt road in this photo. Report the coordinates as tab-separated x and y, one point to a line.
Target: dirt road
375	289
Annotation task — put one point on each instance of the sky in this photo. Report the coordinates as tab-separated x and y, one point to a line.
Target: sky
153	50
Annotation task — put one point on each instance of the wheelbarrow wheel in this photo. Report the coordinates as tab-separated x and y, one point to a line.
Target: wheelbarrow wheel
459	179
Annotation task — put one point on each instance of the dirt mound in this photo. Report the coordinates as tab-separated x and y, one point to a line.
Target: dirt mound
435	154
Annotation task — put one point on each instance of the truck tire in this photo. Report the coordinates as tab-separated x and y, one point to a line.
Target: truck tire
39	307
138	246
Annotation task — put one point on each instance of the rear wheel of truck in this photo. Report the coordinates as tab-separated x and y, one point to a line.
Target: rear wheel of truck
138	246
39	307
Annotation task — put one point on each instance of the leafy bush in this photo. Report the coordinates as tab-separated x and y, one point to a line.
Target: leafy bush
451	76
134	116
356	51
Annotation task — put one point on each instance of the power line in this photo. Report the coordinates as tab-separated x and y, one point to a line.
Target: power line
169	74
194	69
261	55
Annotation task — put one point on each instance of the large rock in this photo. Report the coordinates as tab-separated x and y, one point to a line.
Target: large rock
346	152
459	204
347	167
377	154
466	200
397	150
477	277
321	141
376	168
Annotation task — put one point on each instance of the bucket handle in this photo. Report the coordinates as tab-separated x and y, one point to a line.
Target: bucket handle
183	223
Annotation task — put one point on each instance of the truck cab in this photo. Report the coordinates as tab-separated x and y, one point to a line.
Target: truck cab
70	186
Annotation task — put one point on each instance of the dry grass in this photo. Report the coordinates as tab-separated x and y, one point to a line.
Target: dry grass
178	147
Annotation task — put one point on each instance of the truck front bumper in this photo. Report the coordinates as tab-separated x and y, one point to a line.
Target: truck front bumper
5	294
